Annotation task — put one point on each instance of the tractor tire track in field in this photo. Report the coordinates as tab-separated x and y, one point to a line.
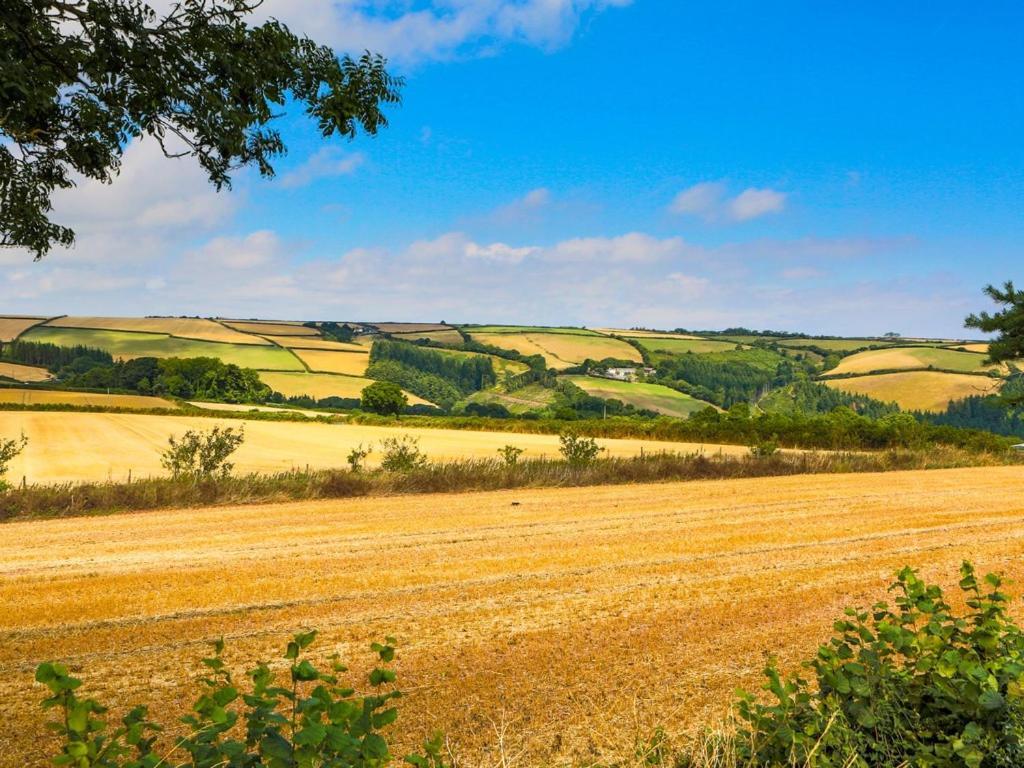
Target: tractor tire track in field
593	612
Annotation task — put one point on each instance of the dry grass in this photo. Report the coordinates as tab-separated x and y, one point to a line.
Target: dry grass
184	327
29	373
61	397
645	334
450	336
918	390
910	357
11	327
561	350
553	626
273	328
349	363
72	447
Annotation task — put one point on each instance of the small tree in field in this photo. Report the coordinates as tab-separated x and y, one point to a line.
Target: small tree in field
385	398
357	456
200	456
577	450
9	450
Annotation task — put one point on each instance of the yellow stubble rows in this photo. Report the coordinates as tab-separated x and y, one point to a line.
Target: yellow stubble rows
575	619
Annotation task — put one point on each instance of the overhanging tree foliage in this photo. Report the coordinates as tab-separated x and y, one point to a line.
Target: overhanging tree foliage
80	79
1008	346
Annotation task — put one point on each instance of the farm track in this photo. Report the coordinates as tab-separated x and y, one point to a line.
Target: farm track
579	619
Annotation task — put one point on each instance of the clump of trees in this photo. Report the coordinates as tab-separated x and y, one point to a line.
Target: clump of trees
384	398
440	378
202	456
53	357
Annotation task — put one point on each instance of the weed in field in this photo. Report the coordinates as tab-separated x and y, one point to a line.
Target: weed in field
510	455
9	450
764	449
357	456
200	456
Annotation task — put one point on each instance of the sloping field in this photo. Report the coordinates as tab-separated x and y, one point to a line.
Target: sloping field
532	397
917	390
835	345
646	334
326	361
129	344
185	327
320	385
500	364
13	326
679	346
410	327
57	397
96	446
441	337
911	357
313	342
272	328
983	348
562	350
572	621
527	329
655	397
29	373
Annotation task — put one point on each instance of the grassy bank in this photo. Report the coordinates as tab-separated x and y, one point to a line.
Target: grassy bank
68	500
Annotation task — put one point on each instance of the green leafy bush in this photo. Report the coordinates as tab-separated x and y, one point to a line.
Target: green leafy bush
383	397
764	449
578	450
402	454
312	719
199	456
913	685
510	455
357	456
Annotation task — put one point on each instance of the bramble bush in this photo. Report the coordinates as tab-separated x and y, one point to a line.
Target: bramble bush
199	456
914	685
309	721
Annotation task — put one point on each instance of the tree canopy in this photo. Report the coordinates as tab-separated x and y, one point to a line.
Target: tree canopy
81	79
1009	323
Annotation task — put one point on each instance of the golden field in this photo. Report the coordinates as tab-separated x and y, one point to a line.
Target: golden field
61	397
349	363
320	385
13	326
566	623
918	390
67	447
183	327
29	373
281	328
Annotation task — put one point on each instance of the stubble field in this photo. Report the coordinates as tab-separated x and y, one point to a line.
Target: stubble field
565	623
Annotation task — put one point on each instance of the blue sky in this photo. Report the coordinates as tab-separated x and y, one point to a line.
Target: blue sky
809	166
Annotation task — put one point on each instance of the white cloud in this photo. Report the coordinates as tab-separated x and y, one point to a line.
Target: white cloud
527	208
709	201
325	163
236	253
751	203
440	29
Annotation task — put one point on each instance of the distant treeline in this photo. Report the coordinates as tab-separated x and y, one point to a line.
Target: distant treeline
808	397
723	380
980	412
53	357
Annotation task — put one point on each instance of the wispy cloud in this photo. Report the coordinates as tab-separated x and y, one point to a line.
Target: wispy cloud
710	201
325	163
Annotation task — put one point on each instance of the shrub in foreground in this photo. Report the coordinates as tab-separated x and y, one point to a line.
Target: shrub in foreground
199	456
9	450
309	719
911	685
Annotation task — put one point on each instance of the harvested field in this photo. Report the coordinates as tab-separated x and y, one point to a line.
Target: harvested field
272	328
13	326
911	357
28	373
571	621
562	350
66	447
654	397
130	344
410	327
918	390
245	408
185	327
528	329
646	334
57	397
321	385
834	345
983	348
326	361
